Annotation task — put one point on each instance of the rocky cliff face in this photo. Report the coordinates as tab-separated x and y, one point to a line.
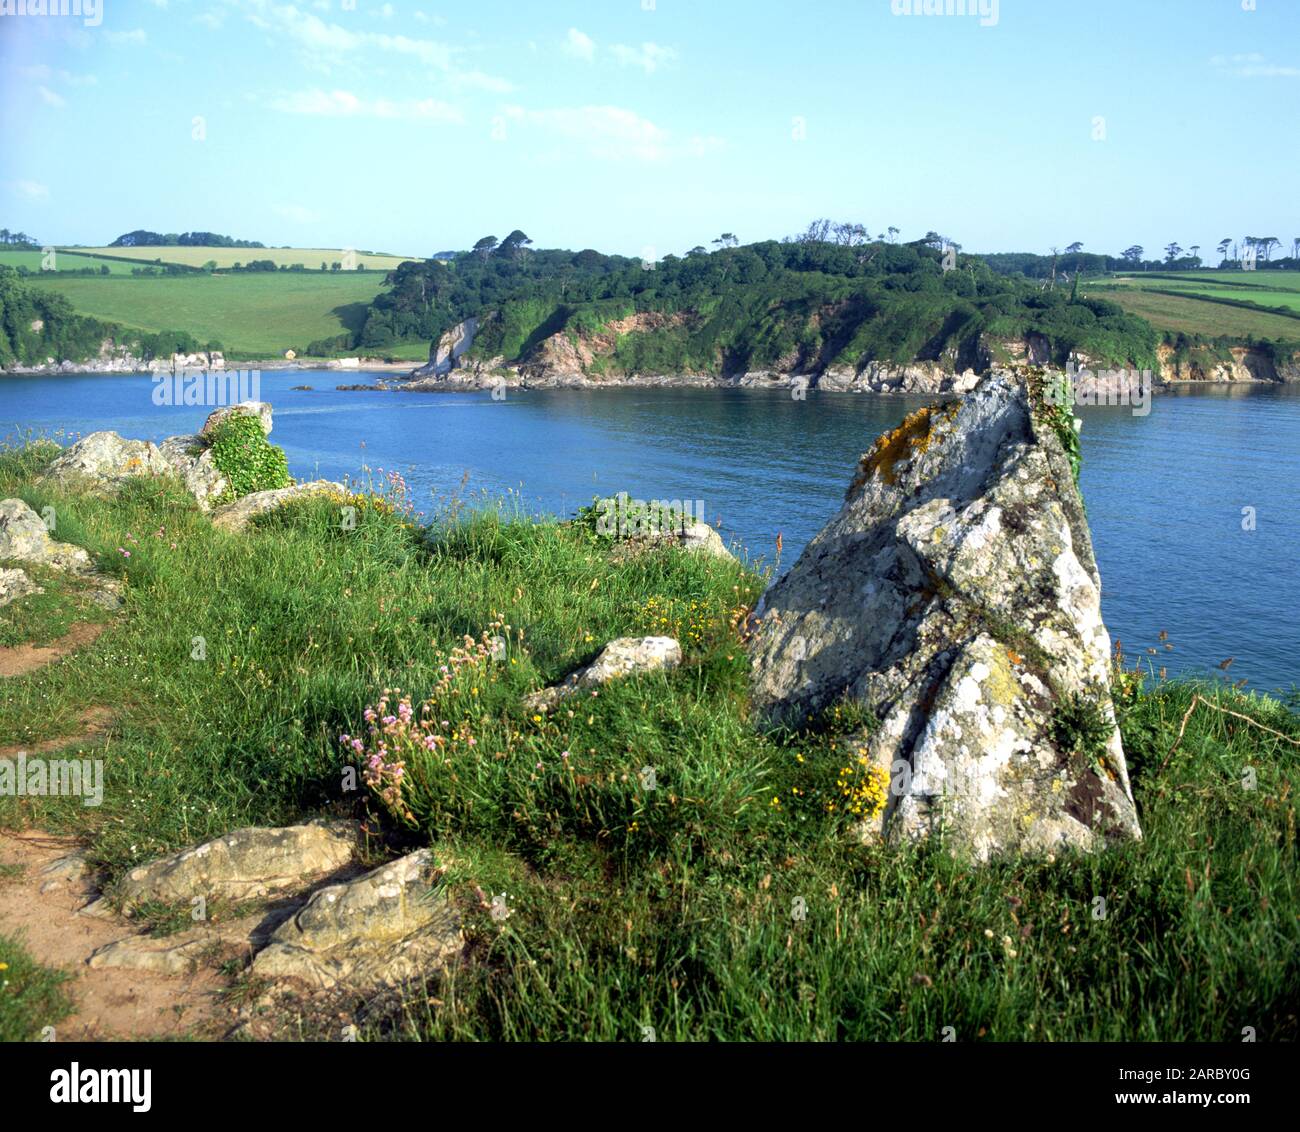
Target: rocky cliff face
1243	365
117	359
445	353
956	596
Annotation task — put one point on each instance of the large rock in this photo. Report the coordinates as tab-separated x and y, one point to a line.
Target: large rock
243	865
24	537
625	656
956	596
106	460
383	929
191	459
236	516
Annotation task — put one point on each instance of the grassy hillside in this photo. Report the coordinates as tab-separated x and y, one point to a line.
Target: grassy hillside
1178	314
254	314
310	258
632	908
1215	304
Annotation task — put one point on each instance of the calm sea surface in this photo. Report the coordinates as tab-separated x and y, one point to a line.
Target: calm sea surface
1165	492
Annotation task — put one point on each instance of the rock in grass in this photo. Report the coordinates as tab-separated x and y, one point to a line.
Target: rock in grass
24	537
243	865
235	516
386	928
105	460
15	584
191	459
956	597
626	656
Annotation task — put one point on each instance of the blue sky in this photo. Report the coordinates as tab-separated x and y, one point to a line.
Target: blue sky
630	125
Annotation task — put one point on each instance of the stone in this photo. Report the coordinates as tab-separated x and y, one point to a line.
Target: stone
386	928
24	537
15	584
236	516
259	409
956	596
246	864
106	461
191	459
626	656
64	871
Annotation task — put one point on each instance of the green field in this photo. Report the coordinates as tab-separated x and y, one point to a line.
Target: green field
1195	316
255	314
310	258
63	261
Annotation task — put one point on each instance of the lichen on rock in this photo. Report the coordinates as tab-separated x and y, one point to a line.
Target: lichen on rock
957	597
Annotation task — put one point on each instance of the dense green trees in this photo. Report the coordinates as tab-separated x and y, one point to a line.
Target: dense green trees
810	302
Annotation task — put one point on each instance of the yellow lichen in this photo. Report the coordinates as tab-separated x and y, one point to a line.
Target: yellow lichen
912	437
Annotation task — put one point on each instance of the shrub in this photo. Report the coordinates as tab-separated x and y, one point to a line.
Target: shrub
247	459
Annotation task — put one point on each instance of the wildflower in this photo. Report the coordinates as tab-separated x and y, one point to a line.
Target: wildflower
564	754
123	552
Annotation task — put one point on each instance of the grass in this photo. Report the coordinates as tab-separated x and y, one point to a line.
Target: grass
31	996
63	261
256	314
310	258
723	895
1194	316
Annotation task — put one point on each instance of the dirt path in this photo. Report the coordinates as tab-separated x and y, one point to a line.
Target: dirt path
93	722
112	1002
18	660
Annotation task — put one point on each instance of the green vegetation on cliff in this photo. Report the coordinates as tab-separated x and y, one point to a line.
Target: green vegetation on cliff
796	304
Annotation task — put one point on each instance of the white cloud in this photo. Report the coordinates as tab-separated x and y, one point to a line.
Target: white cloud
477	80
43	74
30	190
1252	65
158	3
579	46
425	18
333	40
386	12
49	97
345	104
649	56
211	20
613	133
118	38
298	214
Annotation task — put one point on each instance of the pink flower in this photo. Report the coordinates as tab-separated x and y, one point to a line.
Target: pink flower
124	553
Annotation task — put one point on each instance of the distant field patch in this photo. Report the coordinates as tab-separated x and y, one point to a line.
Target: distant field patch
1195	316
310	258
261	315
63	261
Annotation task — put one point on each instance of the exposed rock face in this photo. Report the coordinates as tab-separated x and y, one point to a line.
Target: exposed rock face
25	538
956	596
383	929
243	865
623	657
190	458
446	352
696	537
236	516
15	584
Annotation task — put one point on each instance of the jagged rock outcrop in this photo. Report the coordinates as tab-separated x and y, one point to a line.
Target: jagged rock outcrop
237	515
445	353
625	656
259	409
242	865
386	928
956	596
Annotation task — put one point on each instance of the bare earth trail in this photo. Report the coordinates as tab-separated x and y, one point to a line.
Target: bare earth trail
19	660
109	1003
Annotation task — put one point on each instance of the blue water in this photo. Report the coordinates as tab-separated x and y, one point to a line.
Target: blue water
1165	493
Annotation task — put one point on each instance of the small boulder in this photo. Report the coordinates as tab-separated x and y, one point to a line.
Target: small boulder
24	537
383	929
235	516
626	656
244	865
15	584
191	459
